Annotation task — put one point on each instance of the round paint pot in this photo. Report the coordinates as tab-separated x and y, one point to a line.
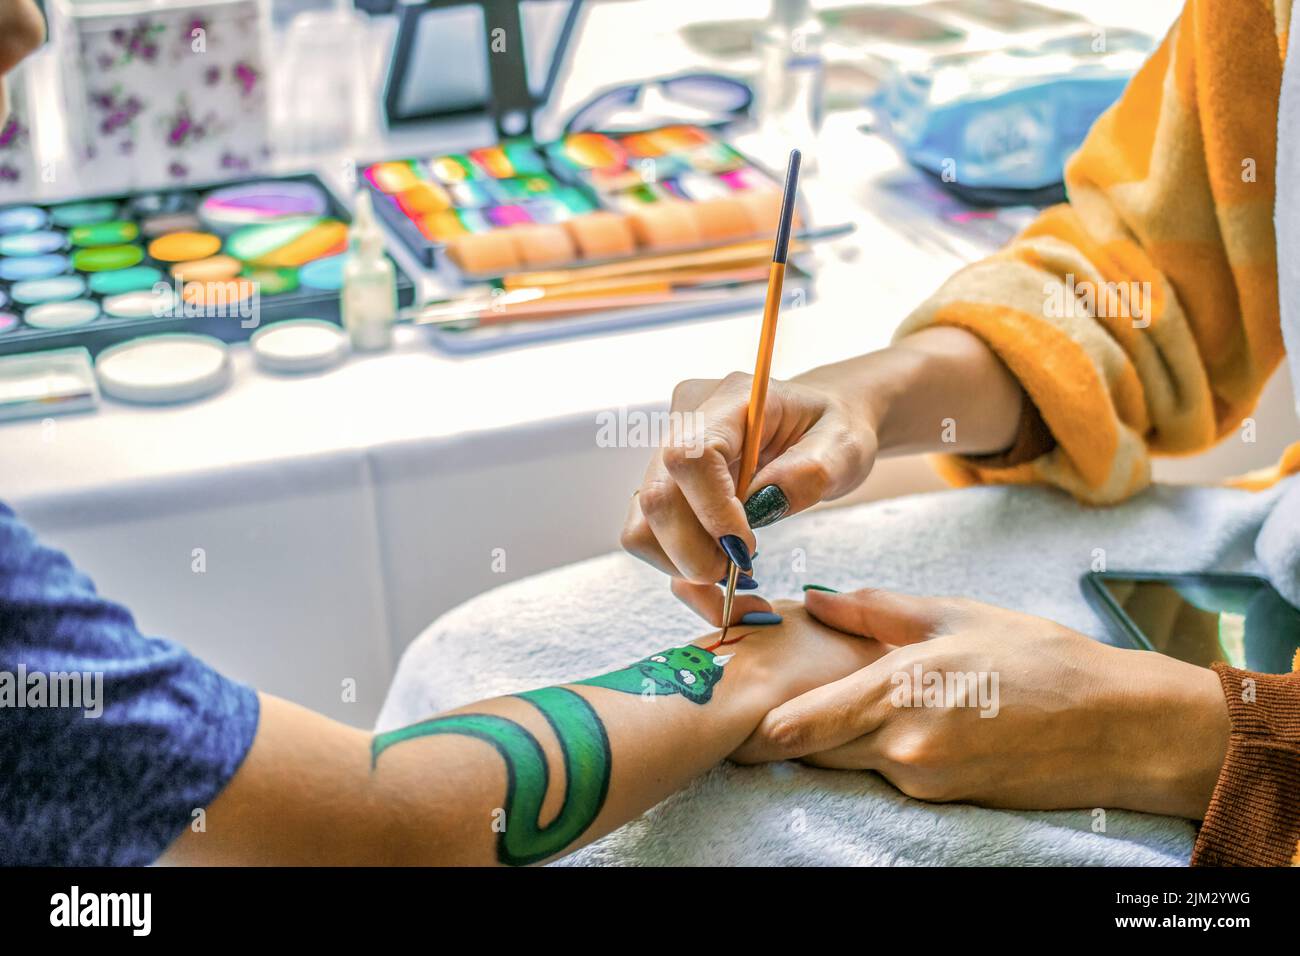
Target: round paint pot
120	281
299	345
211	269
106	258
273	281
22	219
62	315
8	322
32	243
141	304
38	291
104	233
184	246
33	267
323	274
162	369
83	213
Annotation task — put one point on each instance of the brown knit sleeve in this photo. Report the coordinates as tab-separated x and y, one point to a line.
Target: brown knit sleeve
1033	439
1254	815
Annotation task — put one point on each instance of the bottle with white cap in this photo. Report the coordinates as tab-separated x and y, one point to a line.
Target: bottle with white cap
369	282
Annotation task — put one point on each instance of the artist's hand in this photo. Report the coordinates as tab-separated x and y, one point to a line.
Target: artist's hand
818	443
22	30
1053	720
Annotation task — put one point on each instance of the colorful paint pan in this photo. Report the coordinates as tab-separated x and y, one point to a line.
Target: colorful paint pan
120	281
253	242
62	315
508	215
144	303
324	274
211	269
106	258
22	219
454	169
83	213
593	151
104	233
32	243
273	281
326	238
33	267
261	202
394	177
8	322
470	195
36	291
184	246
422	199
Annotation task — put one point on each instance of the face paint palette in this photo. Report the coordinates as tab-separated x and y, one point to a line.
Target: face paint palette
586	198
221	260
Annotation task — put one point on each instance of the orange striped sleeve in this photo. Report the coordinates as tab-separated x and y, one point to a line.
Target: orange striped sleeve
1142	317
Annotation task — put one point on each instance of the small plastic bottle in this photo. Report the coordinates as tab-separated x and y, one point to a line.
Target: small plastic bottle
369	283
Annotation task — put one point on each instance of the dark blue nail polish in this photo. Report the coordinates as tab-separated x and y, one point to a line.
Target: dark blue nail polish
737	551
761	617
743	583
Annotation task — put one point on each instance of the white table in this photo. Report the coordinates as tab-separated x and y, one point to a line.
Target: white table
299	532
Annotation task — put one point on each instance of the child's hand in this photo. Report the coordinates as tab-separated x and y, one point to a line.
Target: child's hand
797	655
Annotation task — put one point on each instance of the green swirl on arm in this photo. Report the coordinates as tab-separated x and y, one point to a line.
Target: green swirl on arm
689	671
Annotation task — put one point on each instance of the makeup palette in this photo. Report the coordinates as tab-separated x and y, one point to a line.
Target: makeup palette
221	260
589	197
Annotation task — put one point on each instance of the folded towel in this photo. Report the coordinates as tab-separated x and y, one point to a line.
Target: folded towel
1020	547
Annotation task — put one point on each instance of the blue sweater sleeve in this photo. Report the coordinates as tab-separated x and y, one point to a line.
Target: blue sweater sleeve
109	740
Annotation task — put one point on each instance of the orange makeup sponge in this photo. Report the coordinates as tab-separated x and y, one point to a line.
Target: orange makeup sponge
484	253
538	245
601	235
666	225
725	219
764	208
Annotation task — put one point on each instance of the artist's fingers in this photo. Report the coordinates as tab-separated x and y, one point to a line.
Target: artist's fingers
701	465
822	719
22	30
639	541
706	600
828	461
887	616
693	551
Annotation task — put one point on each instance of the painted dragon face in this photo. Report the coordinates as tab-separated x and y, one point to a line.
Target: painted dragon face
690	671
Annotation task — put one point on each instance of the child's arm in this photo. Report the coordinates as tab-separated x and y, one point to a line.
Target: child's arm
516	779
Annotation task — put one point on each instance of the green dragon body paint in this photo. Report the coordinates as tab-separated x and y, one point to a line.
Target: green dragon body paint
689	671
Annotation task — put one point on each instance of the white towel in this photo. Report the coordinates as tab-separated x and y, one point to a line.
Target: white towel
1023	548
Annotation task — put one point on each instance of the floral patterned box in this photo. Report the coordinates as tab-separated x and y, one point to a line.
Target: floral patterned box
17	144
162	93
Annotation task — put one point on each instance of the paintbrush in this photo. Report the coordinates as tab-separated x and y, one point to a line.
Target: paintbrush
763	366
